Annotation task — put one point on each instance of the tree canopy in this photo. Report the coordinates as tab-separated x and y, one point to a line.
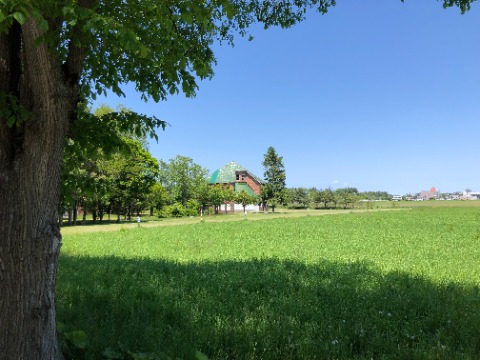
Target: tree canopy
181	177
162	47
273	190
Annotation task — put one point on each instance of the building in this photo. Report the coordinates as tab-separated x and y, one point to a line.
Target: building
239	179
433	194
470	195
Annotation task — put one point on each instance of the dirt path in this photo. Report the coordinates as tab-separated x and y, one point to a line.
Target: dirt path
81	229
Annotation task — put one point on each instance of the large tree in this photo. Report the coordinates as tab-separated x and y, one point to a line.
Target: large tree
88	175
53	56
298	197
181	177
131	173
274	189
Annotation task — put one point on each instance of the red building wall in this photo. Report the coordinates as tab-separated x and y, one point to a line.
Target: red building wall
250	180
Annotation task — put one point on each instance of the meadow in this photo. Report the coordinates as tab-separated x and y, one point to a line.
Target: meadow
398	284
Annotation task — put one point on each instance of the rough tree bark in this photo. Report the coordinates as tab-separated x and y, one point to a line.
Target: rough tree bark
30	162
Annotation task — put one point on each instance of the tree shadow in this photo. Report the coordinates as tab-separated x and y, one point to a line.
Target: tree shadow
267	309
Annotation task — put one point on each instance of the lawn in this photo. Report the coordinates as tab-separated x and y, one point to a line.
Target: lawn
359	285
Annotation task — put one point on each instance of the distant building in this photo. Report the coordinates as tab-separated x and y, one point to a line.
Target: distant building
238	179
470	195
430	195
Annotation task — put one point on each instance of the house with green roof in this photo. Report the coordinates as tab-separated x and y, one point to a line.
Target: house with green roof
239	179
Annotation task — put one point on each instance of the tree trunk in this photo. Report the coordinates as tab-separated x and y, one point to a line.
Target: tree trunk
129	213
30	162
94	216
75	212
70	216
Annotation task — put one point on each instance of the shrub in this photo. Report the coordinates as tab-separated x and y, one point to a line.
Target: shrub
175	210
192	207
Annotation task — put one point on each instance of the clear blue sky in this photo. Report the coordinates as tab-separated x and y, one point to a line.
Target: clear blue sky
377	94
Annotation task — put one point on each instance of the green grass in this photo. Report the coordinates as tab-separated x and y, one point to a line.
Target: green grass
373	285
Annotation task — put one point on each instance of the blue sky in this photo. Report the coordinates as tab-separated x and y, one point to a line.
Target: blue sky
378	94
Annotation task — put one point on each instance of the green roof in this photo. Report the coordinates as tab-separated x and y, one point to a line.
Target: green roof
226	174
239	187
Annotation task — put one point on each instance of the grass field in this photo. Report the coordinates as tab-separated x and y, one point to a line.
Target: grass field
357	285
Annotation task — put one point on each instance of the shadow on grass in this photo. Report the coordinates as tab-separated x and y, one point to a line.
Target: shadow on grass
266	309
90	222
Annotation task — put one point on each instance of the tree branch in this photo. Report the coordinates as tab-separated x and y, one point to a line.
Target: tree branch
77	50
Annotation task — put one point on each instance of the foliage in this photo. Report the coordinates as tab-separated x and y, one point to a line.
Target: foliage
394	284
375	195
157	197
219	195
346	199
107	166
244	199
11	110
192	207
133	175
161	47
104	127
464	5
348	190
274	189
325	197
174	210
203	194
181	177
298	198
72	341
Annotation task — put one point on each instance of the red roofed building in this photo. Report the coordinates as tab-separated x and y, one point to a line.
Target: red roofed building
430	195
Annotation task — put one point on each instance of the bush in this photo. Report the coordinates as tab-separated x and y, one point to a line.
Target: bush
192	208
175	210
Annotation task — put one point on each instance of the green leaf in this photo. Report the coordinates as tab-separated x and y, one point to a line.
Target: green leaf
200	356
24	114
78	338
20	17
60	327
187	17
68	10
11	121
144	51
42	23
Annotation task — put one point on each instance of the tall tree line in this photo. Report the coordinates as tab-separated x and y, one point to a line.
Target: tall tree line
106	171
303	198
